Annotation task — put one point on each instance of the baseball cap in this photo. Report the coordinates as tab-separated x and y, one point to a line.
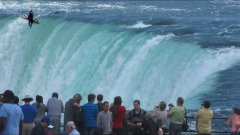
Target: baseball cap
47	120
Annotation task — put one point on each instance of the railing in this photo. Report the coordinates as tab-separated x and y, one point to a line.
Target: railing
217	122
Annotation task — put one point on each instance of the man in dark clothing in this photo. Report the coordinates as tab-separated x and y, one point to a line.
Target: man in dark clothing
30	18
150	126
73	111
99	102
135	118
41	128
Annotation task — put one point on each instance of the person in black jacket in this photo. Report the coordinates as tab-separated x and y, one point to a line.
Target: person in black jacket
30	18
151	126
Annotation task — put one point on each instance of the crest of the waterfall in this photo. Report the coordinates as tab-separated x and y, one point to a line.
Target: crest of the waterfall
75	57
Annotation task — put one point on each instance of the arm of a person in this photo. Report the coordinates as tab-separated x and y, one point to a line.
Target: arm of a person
2	123
196	118
96	110
228	122
111	122
62	107
98	119
170	112
129	117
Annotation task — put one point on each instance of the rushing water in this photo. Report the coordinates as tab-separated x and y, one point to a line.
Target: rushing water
147	50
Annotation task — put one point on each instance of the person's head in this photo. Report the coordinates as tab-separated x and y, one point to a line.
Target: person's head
206	104
180	101
55	94
162	105
27	99
91	98
46	122
117	100
70	126
77	98
236	110
150	115
106	106
136	104
8	96
39	99
16	100
99	97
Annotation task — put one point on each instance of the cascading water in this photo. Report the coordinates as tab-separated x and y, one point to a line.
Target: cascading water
76	50
132	65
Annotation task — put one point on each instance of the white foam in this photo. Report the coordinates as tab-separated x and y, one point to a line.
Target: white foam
139	25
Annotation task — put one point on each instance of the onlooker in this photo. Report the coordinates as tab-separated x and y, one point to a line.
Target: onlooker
10	115
161	114
90	111
41	109
16	101
118	112
73	111
135	118
150	126
177	116
41	128
54	110
99	102
29	115
234	121
104	119
204	119
70	128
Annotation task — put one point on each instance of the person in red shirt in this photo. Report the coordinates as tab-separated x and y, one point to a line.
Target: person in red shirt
118	112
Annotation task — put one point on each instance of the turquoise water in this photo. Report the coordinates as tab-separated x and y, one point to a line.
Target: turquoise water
96	55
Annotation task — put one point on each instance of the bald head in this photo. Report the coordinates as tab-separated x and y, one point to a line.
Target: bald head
70	126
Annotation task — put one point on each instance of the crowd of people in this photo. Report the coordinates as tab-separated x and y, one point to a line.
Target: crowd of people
101	118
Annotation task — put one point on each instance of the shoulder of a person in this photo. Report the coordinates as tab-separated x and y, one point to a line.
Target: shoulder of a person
143	111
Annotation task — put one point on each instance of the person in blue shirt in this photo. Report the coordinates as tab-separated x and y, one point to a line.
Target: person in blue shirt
29	115
10	115
90	111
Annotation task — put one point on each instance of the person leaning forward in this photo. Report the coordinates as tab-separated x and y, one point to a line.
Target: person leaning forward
176	116
55	108
204	119
73	111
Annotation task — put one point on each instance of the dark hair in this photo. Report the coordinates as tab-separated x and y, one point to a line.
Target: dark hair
105	102
39	100
136	101
99	97
117	100
91	97
236	110
8	96
206	104
55	94
162	105
77	97
16	100
180	100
